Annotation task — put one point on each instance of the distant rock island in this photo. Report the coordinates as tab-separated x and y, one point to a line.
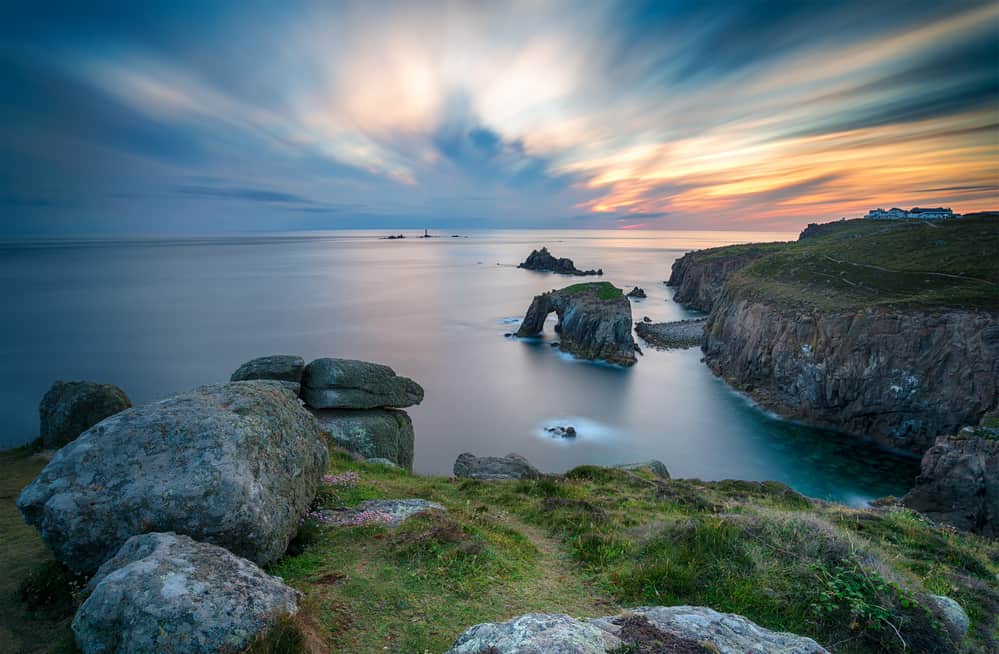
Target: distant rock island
543	261
594	321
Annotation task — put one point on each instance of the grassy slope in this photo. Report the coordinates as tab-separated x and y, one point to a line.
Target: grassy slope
603	290
867	262
589	543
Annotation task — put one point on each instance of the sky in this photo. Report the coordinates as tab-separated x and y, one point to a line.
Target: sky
180	117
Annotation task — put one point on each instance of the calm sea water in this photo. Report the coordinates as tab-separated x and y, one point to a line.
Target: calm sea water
160	316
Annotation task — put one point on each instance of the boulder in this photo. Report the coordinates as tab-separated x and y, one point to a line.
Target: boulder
954	616
511	466
375	433
958	483
348	384
282	367
658	468
594	321
70	408
233	464
686	629
636	292
164	592
381	461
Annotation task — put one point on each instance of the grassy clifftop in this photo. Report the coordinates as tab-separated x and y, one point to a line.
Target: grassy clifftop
867	262
586	543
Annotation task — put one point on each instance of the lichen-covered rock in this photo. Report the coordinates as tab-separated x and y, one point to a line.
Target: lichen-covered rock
594	321
390	513
536	633
282	367
954	616
164	592
693	626
375	433
958	483
232	464
901	376
70	408
511	466
349	384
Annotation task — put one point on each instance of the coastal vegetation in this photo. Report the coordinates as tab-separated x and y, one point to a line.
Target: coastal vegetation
586	543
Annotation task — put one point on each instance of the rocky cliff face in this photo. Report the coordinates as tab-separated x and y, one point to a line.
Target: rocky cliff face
594	321
959	482
699	276
901	377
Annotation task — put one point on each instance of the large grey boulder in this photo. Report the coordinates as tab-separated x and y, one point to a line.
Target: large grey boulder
70	408
511	466
348	384
163	592
690	628
376	433
282	367
232	464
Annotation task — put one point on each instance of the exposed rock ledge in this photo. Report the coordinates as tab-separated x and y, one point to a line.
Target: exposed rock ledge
700	276
542	260
594	321
680	334
899	376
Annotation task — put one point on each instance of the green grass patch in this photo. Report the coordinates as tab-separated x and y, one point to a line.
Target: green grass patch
603	290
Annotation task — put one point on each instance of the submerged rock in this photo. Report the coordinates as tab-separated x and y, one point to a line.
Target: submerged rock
70	408
594	321
687	629
233	464
511	466
680	334
542	260
164	592
959	482
563	431
348	384
281	367
637	293
375	433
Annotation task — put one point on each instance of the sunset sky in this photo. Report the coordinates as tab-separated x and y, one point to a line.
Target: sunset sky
247	116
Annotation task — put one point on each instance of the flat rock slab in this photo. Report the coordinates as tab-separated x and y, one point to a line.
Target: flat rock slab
163	592
70	408
234	464
681	334
390	513
658	468
511	466
282	367
348	384
536	633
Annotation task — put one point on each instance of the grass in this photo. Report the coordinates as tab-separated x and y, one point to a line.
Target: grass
866	262
603	290
594	541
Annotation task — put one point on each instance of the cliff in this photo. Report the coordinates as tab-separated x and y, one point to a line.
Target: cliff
886	331
699	276
594	321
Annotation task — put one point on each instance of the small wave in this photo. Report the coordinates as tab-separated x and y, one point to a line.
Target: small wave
586	429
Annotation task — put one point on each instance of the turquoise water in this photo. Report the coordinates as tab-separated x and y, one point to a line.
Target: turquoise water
160	316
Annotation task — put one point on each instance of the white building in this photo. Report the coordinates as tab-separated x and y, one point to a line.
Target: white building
936	213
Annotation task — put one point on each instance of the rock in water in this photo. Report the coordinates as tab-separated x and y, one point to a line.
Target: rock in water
232	464
71	408
348	384
542	260
282	367
168	593
680	334
959	482
376	433
511	466
594	321
687	628
637	293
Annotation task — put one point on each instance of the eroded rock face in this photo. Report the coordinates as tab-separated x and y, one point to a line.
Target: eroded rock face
163	592
542	260
282	367
679	334
233	464
693	627
959	482
700	276
70	408
899	376
511	466
376	433
594	321
348	384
